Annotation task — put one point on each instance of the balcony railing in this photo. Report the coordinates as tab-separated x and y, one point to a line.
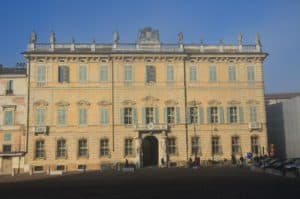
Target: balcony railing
9	92
255	126
151	127
41	130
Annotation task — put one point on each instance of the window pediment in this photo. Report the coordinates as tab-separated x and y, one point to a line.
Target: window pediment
62	103
194	102
83	103
233	102
214	102
128	102
171	102
252	101
104	103
41	103
9	107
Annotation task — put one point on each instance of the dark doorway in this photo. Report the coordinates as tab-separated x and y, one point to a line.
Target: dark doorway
150	151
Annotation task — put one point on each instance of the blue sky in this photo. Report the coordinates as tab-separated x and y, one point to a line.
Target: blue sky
278	22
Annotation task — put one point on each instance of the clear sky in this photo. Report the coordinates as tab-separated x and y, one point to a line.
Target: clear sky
278	23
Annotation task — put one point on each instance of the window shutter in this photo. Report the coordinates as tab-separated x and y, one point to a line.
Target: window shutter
241	114
122	115
166	115
106	116
60	74
144	115
170	73
201	115
228	114
156	115
208	115
8	118
177	115
188	115
221	110
134	116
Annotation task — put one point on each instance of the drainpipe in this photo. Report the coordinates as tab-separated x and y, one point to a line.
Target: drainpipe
113	104
185	108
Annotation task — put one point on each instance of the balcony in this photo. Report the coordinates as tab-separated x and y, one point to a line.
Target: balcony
41	130
9	92
255	126
151	127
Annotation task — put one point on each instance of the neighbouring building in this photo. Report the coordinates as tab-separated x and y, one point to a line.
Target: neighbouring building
13	99
283	116
93	105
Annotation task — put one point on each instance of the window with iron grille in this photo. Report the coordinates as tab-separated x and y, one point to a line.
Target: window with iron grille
235	144
254	145
195	145
61	150
82	148
40	149
216	149
104	147
172	146
128	147
214	114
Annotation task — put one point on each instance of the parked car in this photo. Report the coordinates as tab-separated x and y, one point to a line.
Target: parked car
294	165
270	163
281	164
262	161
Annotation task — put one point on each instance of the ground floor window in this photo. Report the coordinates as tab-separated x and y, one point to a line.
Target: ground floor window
128	146
61	150
82	148
172	146
216	148
235	145
7	148
40	149
254	145
104	148
195	145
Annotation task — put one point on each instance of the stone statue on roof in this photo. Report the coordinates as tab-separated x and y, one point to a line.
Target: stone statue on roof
33	38
240	38
52	37
116	37
180	38
257	39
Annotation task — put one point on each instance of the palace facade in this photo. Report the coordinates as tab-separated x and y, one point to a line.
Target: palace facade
92	105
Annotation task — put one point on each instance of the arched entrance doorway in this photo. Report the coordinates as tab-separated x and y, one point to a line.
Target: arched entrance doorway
150	151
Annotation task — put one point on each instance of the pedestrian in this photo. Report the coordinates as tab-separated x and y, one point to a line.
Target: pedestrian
242	161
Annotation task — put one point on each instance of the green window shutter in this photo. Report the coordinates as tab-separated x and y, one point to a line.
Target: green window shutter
178	115
82	116
144	115
221	110
66	75
122	116
8	118
250	73
170	73
228	114
201	115
41	73
188	117
241	114
40	116
106	116
104	74
165	115
208	115
82	73
7	136
128	73
134	116
156	115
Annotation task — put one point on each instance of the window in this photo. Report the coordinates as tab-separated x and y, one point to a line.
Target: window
6	148
214	114
254	145
250	73
39	149
61	116
8	117
193	73
104	148
60	167
103	73
233	114
82	116
82	148
82	73
212	73
40	116
128	73
41	75
104	115
231	73
172	146
127	115
128	147
170	73
216	149
253	114
7	136
150	74
193	114
195	145
170	115
235	145
149	115
63	74
9	87
61	150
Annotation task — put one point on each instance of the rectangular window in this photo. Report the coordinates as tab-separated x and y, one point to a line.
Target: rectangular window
254	145
82	148
216	149
63	74
172	146
103	73
233	114
212	73
251	73
231	73
61	116
41	73
6	148
39	149
82	73
61	150
214	114
193	73
170	73
193	114
128	116
253	114
149	115
9	87
104	115
128	147
170	115
8	117
40	116
235	145
7	136
195	145
104	147
128	73
82	116
150	74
